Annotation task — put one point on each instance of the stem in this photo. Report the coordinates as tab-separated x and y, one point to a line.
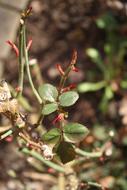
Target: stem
35	69
40	158
64	78
32	143
22	100
67	71
88	154
21	61
6	134
61	181
94	184
28	69
40	119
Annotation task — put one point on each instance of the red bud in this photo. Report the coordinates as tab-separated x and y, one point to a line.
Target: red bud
51	170
75	69
70	87
14	47
29	44
18	89
9	138
59	68
74	57
58	118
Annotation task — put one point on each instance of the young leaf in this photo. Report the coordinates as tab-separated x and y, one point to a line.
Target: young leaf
52	136
90	87
48	92
75	132
93	53
107	96
49	108
96	58
68	98
65	152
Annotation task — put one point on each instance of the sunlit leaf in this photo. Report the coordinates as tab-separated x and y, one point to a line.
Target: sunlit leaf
90	87
107	21
75	132
92	53
49	108
48	92
52	136
68	98
96	58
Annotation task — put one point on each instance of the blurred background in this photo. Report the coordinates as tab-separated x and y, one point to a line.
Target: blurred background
97	29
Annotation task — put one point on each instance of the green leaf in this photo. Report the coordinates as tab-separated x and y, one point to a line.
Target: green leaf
65	152
49	108
109	92
93	53
75	132
100	132
68	98
107	21
96	58
48	92
123	84
52	136
90	87
107	96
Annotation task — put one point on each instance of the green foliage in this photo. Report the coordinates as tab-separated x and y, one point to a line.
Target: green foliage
72	132
61	141
65	152
48	92
49	108
68	98
89	86
75	132
96	58
109	61
107	22
52	136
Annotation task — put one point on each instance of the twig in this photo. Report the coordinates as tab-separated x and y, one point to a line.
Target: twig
21	59
61	181
6	134
39	176
88	154
30	142
40	119
68	70
28	69
40	158
94	184
35	70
